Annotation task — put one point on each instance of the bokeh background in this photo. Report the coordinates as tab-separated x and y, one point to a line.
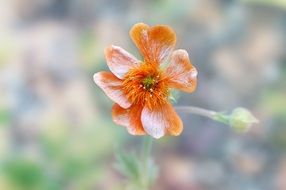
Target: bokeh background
56	130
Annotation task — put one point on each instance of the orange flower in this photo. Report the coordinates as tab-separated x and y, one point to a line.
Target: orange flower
140	89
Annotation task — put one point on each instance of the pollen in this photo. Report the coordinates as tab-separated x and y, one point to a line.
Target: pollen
146	85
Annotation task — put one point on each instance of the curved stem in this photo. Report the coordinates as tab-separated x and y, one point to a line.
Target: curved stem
196	110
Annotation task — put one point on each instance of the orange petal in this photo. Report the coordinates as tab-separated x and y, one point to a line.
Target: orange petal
154	43
129	118
161	120
111	85
119	61
181	73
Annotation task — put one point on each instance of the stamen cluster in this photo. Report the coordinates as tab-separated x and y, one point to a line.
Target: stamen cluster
145	85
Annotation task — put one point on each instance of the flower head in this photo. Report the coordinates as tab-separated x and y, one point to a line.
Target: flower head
140	89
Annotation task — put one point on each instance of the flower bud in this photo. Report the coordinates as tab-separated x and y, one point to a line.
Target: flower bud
241	119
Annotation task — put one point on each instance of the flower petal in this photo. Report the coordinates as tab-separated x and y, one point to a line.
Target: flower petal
119	61
111	85
130	118
155	43
181	73
161	120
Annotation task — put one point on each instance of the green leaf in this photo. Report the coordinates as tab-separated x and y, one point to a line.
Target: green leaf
128	165
139	169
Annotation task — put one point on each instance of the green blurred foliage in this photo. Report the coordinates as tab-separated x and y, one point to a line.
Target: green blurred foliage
7	48
5	117
24	174
90	51
278	3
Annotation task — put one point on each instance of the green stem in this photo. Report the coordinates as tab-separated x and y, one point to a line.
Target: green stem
239	119
146	152
196	110
216	116
147	146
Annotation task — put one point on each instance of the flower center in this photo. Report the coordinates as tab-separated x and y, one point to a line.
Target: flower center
148	82
146	85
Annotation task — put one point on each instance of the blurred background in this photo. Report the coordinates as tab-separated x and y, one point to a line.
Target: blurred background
56	130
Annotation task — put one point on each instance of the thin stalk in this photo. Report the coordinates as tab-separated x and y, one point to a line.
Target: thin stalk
146	152
196	110
147	147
